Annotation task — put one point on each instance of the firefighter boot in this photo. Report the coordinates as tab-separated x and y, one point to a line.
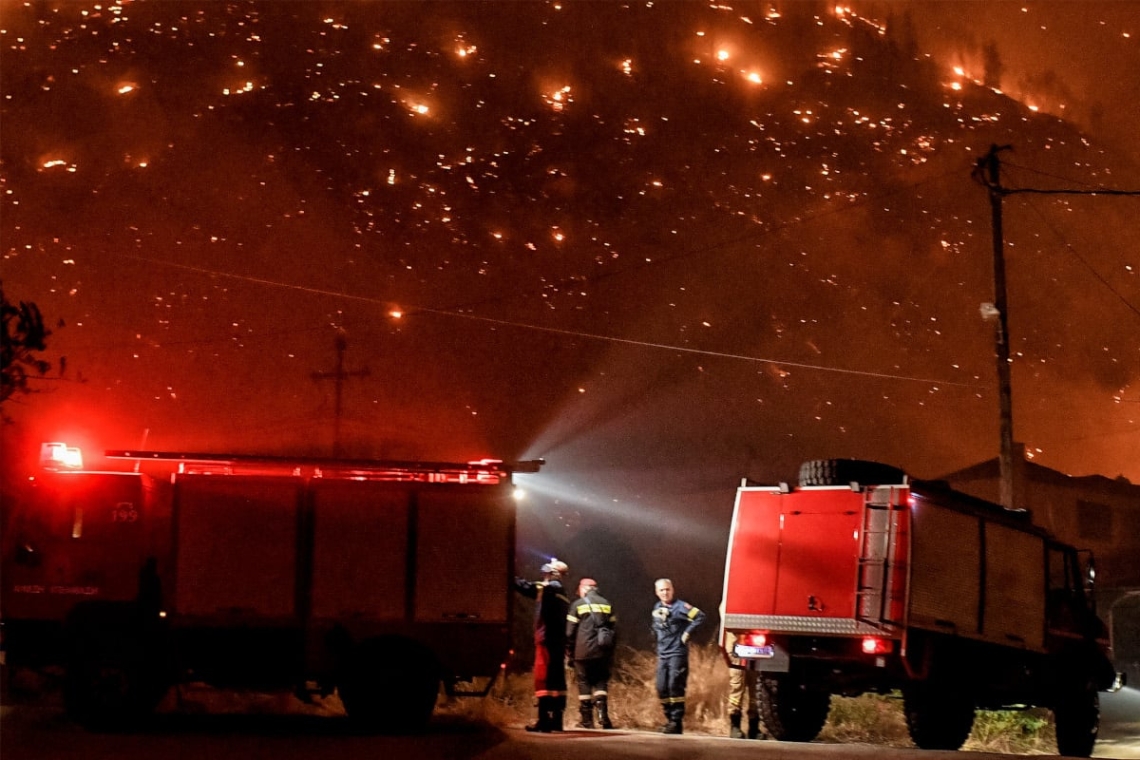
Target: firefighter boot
734	731
586	708
754	727
557	706
676	719
603	712
542	725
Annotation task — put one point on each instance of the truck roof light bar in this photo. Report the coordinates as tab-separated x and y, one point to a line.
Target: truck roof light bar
481	470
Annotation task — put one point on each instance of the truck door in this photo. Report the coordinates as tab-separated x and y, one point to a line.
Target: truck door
79	537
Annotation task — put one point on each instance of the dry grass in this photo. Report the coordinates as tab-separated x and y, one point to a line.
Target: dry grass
868	719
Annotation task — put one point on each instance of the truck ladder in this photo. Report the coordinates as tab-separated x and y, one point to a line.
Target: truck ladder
877	548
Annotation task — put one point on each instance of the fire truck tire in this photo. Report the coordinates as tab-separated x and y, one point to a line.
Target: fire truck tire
938	716
790	710
390	686
112	679
1077	719
842	472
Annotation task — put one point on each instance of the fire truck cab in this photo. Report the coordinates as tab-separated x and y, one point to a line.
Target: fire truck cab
382	581
861	580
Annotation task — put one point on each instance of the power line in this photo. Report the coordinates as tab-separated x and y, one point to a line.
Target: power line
1069	247
997	187
698	351
553	330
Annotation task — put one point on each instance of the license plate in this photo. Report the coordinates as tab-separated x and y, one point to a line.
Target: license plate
743	650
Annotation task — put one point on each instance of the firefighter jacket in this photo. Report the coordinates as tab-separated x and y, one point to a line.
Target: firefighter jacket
671	623
550	612
590	628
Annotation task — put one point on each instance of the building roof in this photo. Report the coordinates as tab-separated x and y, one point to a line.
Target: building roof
989	469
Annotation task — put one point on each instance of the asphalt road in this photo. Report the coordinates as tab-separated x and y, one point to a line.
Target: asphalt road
35	732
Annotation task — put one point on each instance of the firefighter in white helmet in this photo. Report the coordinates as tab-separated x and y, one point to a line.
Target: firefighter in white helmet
549	643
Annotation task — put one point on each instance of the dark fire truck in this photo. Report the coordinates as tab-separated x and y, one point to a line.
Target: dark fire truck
382	581
861	580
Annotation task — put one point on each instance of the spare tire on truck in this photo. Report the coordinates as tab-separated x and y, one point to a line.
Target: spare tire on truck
842	472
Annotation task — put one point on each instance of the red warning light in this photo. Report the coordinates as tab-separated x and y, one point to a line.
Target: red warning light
60	456
874	645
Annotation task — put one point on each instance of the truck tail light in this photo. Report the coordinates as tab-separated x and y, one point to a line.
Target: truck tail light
875	645
754	639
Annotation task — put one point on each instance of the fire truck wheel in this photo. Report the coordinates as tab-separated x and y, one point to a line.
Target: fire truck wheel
108	689
791	711
841	472
938	716
391	686
109	683
1077	719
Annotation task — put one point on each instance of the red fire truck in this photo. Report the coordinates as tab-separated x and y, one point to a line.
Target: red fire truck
380	580
861	580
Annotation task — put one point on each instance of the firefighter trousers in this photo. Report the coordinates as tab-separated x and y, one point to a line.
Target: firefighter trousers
672	679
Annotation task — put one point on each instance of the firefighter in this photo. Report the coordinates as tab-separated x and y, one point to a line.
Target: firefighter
590	630
742	682
673	624
550	612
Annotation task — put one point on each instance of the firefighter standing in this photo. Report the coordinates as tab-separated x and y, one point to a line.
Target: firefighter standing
673	623
743	682
550	613
590	647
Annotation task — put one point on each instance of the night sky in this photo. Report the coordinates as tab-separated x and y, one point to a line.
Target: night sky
664	245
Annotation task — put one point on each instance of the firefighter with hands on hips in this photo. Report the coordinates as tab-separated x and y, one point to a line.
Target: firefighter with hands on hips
590	630
673	624
743	682
550	612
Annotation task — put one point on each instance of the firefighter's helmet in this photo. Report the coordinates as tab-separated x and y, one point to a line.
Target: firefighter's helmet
555	567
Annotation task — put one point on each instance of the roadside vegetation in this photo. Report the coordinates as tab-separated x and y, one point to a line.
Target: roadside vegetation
868	719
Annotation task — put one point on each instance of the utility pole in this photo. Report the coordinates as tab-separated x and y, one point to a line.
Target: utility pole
988	172
339	375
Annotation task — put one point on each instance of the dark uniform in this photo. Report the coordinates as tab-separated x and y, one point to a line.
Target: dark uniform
549	644
590	646
673	623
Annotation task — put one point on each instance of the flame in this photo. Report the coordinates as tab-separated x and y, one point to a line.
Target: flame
559	99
